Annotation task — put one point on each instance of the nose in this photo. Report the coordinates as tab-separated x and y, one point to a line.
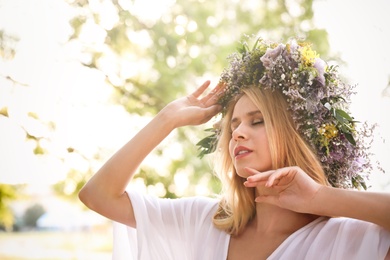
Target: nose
239	133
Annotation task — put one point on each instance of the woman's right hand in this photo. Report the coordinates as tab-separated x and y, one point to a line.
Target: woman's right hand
194	109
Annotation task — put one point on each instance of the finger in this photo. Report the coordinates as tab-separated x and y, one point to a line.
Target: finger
251	171
212	111
273	200
199	91
258	176
205	115
212	97
251	184
279	174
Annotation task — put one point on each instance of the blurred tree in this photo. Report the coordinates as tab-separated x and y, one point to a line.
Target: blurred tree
154	51
7	193
32	214
7	53
70	186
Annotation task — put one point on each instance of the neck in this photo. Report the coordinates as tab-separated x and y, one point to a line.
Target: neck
270	218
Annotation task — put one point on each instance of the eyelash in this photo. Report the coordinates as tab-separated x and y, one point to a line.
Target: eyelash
255	122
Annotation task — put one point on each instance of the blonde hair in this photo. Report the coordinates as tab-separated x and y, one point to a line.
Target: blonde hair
287	148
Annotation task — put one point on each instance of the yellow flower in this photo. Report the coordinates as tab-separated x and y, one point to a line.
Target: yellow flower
308	55
329	131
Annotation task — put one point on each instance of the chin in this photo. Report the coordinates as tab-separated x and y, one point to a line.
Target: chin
242	173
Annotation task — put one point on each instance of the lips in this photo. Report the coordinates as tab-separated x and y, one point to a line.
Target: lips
241	151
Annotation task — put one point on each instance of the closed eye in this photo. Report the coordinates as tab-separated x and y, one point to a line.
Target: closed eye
257	122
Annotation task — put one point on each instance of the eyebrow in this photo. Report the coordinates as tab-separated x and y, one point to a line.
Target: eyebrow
249	114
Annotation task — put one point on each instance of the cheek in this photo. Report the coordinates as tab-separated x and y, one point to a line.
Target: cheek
231	148
262	142
266	146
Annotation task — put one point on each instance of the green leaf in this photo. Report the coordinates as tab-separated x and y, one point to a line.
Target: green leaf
358	182
346	129
207	144
342	114
255	45
350	138
243	49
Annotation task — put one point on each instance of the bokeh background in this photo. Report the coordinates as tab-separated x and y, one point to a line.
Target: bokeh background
79	78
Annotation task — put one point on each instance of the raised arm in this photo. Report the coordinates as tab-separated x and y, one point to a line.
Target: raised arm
293	189
105	191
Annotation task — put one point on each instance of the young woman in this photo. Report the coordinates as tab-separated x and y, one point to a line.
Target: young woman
288	153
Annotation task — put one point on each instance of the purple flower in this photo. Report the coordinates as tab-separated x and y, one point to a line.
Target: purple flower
312	100
270	55
311	105
320	65
337	155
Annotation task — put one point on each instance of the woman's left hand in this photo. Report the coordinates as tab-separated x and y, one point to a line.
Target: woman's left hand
290	188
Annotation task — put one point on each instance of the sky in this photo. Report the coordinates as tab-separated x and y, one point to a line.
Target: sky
76	98
359	31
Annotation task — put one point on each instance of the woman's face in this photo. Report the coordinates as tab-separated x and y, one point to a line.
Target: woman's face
248	145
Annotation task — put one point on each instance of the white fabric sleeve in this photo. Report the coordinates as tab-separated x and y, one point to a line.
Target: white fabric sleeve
124	243
336	239
170	229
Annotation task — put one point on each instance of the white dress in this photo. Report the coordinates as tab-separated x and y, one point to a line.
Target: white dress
181	229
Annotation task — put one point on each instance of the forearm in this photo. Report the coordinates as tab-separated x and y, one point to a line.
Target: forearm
105	191
367	206
112	179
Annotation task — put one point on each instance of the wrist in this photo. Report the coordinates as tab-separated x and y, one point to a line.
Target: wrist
321	199
333	202
167	119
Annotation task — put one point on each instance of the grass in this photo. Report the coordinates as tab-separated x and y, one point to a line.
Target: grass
69	245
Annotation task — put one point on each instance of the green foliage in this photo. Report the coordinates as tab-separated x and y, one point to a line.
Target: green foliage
76	179
72	184
7	45
207	144
158	60
7	193
4	111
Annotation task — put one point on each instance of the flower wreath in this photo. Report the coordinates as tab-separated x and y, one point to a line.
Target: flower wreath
318	101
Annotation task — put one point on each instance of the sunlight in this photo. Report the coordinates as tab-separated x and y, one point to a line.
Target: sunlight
142	9
64	104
